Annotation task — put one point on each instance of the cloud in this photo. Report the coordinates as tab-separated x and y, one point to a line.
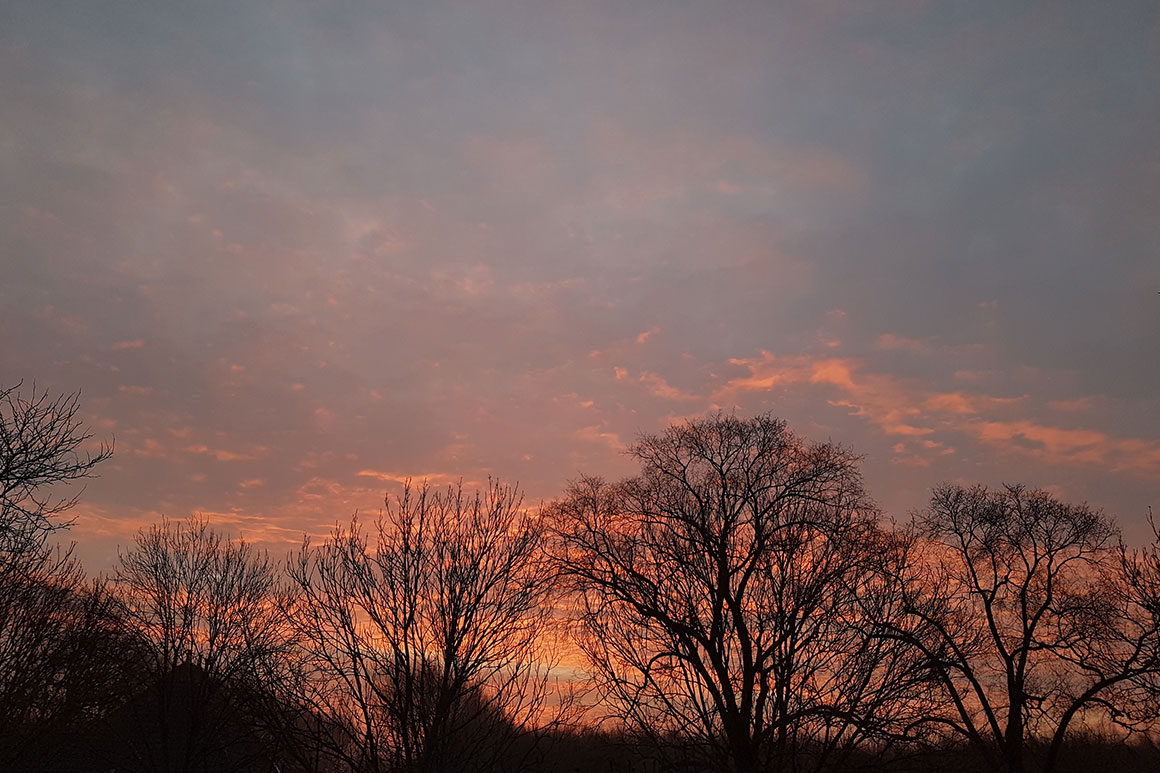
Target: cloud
640	339
329	272
416	479
1078	405
224	455
149	448
909	408
659	387
598	434
1060	445
891	342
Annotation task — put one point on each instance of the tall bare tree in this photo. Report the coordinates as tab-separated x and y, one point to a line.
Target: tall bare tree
213	633
428	635
724	595
55	665
1028	614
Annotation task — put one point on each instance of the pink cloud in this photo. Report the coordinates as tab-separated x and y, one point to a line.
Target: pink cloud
598	434
150	449
658	386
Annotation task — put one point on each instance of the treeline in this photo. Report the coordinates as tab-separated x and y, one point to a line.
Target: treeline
738	605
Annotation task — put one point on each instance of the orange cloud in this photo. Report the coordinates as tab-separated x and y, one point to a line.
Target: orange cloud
1057	445
254	528
950	402
431	478
881	399
640	339
222	455
1052	443
765	372
906	409
835	372
967	403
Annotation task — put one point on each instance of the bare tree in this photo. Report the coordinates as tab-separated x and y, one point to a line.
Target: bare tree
724	595
42	444
55	665
1112	627
1027	617
427	636
213	634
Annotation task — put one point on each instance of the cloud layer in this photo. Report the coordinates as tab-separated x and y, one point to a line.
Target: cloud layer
294	257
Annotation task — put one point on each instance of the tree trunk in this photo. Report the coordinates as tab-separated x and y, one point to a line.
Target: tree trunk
1013	742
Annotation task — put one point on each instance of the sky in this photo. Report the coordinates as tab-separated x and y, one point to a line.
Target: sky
294	253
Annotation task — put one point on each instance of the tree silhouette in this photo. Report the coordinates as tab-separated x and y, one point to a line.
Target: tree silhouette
212	635
739	603
59	640
1027	617
425	638
42	444
724	595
